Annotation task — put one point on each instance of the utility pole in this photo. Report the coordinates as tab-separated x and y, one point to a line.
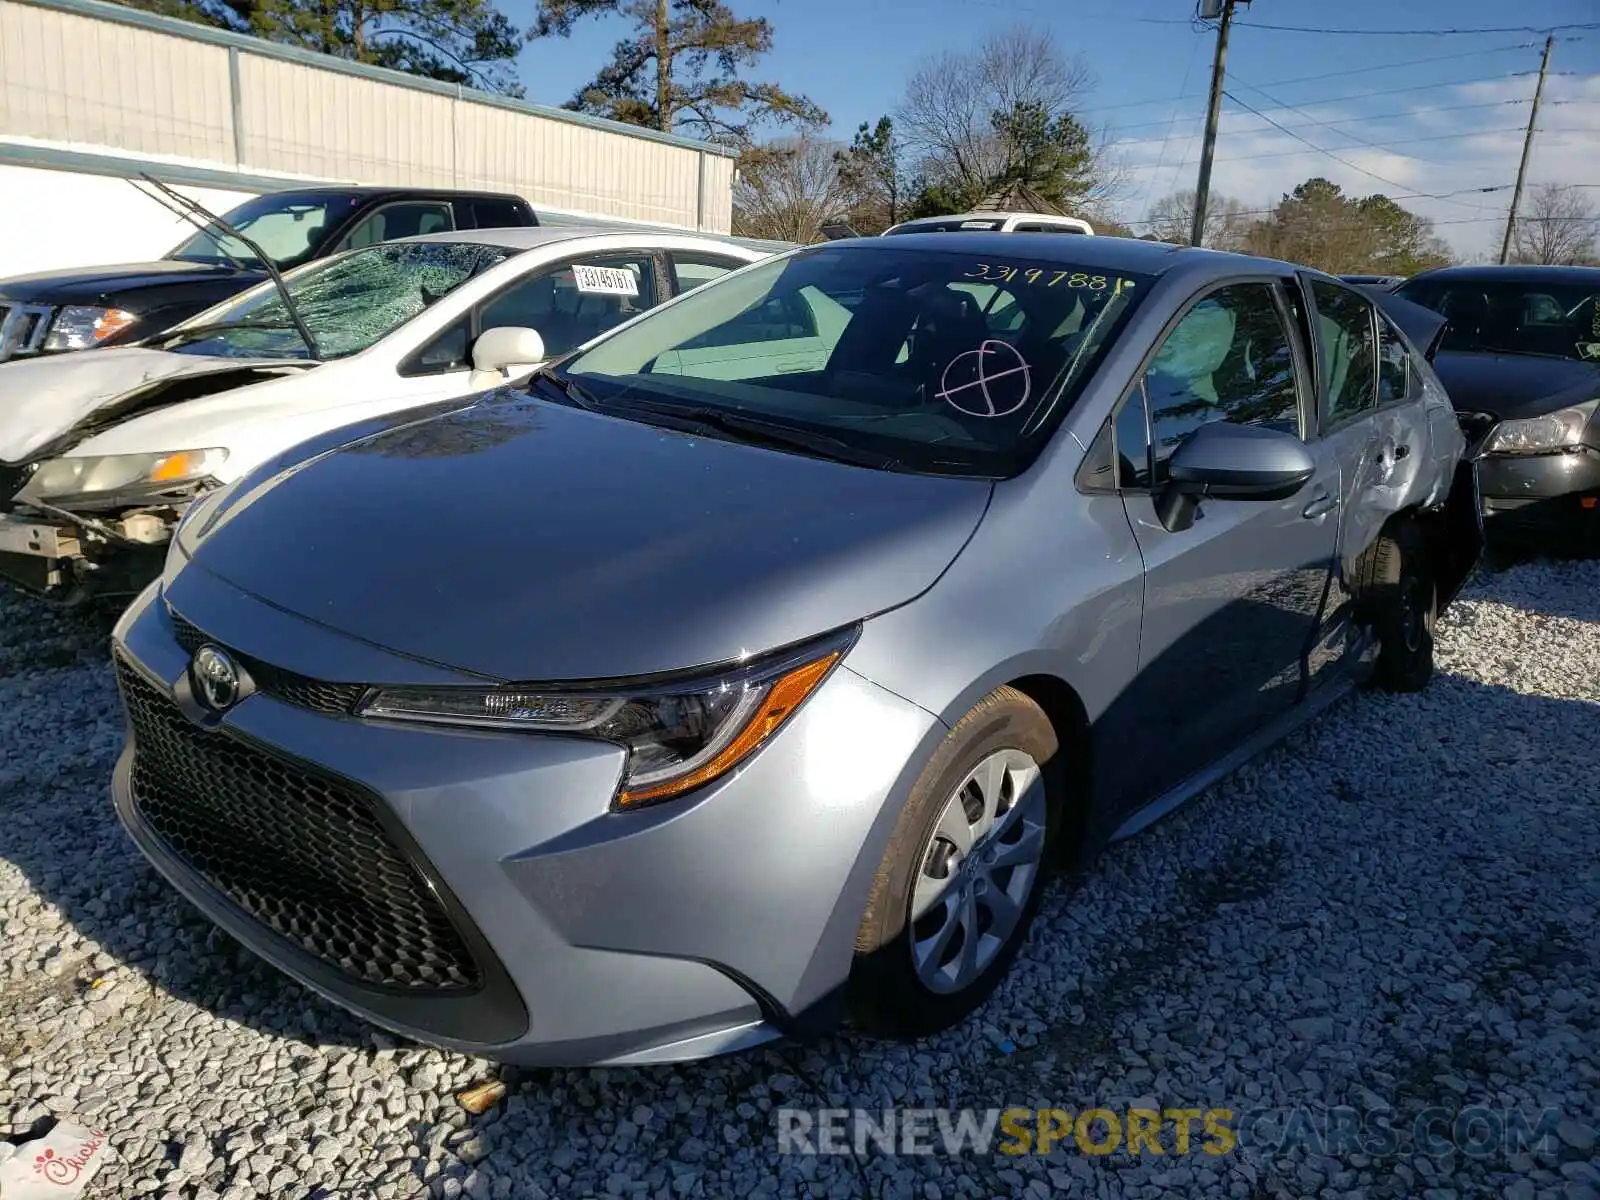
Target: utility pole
1527	151
1219	69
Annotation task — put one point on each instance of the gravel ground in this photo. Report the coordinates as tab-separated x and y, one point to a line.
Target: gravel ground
1397	908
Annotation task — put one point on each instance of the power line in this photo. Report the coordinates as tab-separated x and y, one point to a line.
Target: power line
1267	212
1331	154
1447	137
1421	32
1414	87
1353	137
1410	62
1365	117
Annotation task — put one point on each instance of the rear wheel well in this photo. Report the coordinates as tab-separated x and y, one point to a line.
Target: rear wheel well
1070	720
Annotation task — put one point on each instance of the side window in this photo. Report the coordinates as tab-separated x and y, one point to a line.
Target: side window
447	352
776	319
690	271
1229	359
1349	357
1395	372
495	214
406	219
574	302
1043	227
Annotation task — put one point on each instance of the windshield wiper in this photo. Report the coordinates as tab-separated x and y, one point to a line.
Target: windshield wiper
202	217
569	390
757	431
190	333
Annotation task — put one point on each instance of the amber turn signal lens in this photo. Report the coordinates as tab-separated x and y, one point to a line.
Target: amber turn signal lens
783	696
182	465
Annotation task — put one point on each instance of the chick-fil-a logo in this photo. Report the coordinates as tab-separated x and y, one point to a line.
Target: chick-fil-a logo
65	1169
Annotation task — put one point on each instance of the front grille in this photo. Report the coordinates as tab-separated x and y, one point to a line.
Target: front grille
335	698
301	852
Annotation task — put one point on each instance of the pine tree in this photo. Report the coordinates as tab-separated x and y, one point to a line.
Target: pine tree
681	70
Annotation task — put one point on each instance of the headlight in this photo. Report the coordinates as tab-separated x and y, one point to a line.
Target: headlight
1552	431
678	735
80	326
62	477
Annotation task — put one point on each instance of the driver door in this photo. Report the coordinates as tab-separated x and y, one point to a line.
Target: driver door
1231	602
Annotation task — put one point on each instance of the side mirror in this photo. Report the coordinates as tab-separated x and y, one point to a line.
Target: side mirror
1231	462
498	350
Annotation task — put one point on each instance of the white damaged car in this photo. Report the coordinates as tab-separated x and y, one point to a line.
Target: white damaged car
101	452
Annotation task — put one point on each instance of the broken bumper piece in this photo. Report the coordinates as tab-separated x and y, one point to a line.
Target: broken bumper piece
70	563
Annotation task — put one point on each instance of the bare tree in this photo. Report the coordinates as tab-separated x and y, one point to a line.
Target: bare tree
960	106
1228	221
789	189
1558	226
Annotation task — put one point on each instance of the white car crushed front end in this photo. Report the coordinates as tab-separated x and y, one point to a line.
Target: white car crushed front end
91	486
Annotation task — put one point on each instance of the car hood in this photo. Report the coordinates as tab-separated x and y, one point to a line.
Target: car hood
524	540
90	285
44	400
1511	386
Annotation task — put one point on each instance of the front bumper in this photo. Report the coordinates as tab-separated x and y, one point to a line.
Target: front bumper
1552	499
694	928
64	562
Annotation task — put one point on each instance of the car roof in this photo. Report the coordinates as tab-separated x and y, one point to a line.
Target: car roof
1513	273
989	216
374	191
1112	253
530	237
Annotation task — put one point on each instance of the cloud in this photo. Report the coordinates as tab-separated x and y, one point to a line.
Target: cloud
1436	152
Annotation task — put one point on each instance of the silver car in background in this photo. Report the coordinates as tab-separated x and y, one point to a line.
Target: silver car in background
755	664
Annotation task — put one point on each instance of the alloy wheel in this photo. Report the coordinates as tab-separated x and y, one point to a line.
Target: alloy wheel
977	871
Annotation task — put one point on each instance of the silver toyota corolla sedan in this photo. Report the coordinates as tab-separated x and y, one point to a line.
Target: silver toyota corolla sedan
755	664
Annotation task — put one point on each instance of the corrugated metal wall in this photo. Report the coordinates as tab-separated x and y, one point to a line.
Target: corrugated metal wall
92	75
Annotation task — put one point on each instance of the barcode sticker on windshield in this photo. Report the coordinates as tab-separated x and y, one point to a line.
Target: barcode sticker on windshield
606	281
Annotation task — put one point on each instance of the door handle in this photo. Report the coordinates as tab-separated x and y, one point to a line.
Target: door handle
1322	505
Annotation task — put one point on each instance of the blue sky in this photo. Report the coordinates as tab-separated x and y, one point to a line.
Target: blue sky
1449	119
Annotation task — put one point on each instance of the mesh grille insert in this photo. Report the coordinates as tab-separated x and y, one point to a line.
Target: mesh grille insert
299	851
335	698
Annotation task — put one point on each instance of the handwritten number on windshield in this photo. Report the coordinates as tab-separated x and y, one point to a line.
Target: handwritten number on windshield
1000	273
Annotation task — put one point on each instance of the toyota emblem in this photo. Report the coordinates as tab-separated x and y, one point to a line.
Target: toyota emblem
215	678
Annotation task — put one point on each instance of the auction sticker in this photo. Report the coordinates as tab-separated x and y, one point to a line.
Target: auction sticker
606	281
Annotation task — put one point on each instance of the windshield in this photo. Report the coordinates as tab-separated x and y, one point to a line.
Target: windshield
347	303
1526	316
930	361
287	228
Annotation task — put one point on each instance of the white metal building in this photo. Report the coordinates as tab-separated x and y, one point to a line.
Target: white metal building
92	93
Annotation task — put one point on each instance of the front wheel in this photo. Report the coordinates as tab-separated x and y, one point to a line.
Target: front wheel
963	874
1402	597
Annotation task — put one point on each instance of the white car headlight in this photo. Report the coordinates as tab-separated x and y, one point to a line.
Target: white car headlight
678	735
60	478
1535	435
80	326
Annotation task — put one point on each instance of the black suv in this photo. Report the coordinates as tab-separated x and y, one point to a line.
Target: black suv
106	306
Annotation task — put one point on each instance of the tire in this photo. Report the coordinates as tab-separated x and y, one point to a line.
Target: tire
1002	741
1401	596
